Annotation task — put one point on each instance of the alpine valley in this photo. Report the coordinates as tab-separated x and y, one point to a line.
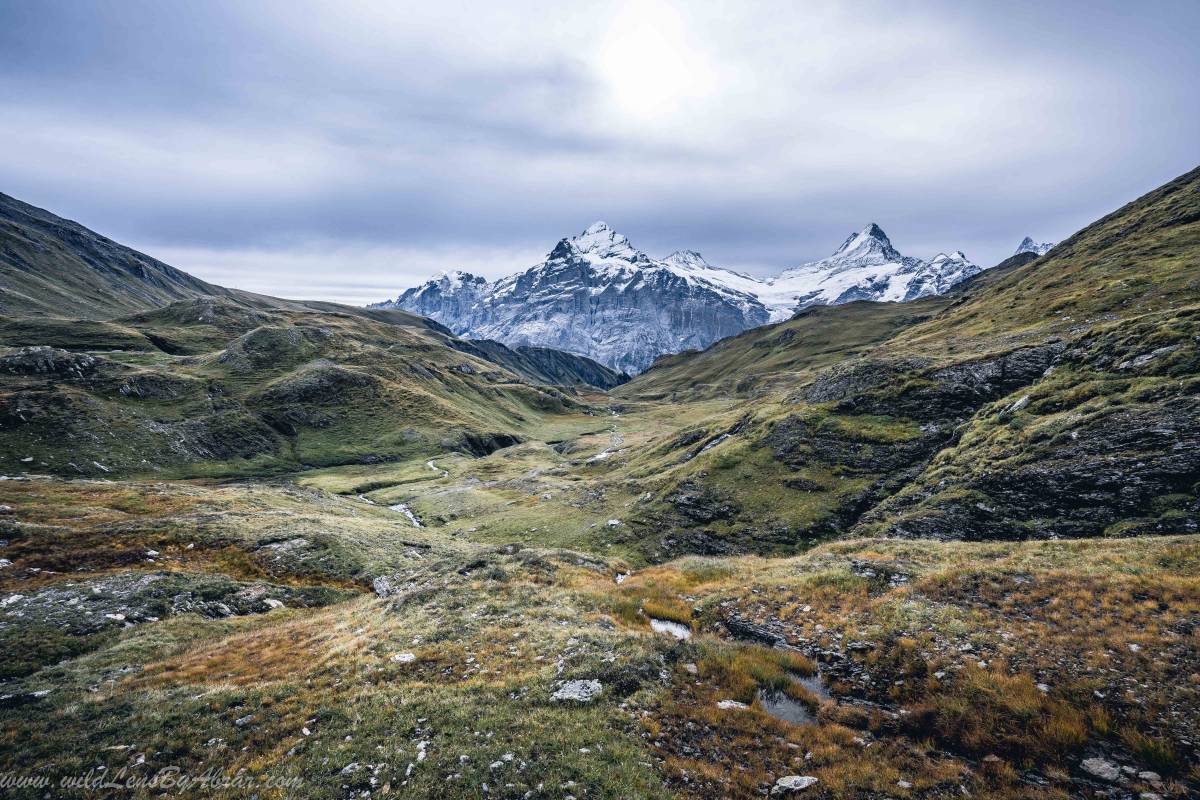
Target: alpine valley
596	295
878	527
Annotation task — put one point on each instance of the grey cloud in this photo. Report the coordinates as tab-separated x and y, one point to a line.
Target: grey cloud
347	152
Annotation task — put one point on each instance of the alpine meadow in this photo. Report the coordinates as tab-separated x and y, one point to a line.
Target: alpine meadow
891	523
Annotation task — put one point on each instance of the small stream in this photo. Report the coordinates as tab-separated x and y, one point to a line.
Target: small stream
406	511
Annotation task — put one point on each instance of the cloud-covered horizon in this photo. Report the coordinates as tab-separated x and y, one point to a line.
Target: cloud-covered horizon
319	150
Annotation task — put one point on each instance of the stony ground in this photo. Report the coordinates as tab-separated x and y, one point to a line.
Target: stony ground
305	634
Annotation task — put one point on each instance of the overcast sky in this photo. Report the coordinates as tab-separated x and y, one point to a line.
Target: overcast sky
346	150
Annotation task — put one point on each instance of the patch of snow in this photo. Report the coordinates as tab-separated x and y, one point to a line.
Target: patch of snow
675	629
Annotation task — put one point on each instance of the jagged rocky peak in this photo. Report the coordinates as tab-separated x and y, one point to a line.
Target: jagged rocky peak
601	242
445	294
870	239
455	279
1028	245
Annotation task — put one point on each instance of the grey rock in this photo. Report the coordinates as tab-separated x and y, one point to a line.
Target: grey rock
1101	768
790	784
581	691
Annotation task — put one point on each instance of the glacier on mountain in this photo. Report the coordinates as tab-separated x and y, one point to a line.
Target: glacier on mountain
597	295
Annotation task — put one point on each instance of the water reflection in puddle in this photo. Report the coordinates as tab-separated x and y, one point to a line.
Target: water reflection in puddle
816	685
673	628
780	706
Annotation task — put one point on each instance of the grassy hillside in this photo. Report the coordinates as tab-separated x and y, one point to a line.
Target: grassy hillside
213	387
1140	259
779	356
52	266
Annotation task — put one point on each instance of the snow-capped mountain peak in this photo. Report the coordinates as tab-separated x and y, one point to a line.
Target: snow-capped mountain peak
870	240
940	258
455	278
602	242
865	267
1028	245
687	259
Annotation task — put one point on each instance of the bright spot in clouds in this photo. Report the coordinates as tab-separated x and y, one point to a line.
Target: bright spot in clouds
648	66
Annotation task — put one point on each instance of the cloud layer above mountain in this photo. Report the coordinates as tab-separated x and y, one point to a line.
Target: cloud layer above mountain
344	151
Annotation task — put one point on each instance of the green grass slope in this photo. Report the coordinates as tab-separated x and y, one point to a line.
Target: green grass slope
52	266
215	387
1053	397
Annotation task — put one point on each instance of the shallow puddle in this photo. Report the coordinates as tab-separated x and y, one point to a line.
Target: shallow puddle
815	684
780	706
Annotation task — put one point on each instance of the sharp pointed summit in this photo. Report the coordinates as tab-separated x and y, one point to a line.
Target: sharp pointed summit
865	267
871	237
1028	245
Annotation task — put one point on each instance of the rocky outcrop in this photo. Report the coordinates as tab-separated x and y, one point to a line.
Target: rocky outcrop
543	364
48	362
955	391
1132	471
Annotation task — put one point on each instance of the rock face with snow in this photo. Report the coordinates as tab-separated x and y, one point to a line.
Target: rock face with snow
598	296
1028	245
865	267
448	295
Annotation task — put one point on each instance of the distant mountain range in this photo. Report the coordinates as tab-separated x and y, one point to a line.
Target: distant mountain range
597	295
